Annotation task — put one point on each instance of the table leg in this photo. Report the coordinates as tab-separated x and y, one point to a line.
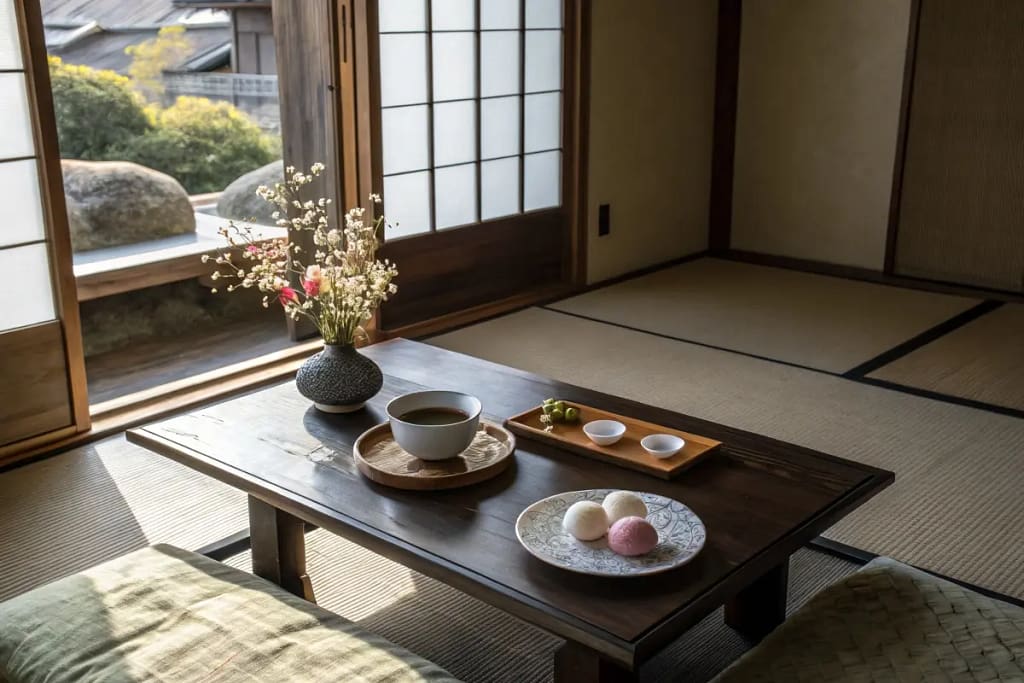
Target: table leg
575	663
279	548
757	609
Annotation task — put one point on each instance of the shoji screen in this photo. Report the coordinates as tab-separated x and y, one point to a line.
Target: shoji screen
471	110
36	389
476	150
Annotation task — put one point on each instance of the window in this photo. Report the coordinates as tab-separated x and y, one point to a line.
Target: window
24	255
471	110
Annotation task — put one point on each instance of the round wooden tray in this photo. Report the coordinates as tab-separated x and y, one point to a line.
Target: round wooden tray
380	459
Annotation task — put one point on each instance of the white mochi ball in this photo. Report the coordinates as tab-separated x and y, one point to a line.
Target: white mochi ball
586	520
620	504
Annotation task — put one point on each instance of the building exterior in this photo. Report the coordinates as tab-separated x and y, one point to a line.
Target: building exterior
231	56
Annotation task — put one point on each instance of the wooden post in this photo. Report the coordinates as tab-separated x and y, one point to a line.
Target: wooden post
279	548
575	663
308	81
757	609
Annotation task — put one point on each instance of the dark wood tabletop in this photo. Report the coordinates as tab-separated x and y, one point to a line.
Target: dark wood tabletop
760	499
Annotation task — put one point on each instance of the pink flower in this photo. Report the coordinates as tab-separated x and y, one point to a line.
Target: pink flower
252	249
287	295
311	281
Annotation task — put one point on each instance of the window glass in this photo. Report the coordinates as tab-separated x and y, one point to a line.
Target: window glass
405	139
408	203
496	14
455	195
19	195
454	133
543	120
29	266
10	48
403	69
471	110
542	181
499	181
16	131
402	15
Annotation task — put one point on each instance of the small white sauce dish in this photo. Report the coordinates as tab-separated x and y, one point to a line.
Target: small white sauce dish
604	432
662	446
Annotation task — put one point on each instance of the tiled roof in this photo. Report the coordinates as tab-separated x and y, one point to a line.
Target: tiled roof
104	49
114	12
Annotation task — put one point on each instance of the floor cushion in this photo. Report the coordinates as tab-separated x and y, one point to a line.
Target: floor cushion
891	622
165	614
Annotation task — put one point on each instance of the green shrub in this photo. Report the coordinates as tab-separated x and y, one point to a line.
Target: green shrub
204	144
96	110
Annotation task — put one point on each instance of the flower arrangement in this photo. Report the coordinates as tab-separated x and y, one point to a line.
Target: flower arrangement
341	286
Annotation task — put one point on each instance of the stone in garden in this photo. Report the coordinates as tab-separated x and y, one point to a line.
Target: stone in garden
117	202
239	200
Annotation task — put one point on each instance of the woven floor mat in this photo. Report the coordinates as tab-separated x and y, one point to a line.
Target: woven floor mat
816	321
982	361
956	506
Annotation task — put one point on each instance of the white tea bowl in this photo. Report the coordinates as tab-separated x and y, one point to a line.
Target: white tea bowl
604	432
434	441
662	445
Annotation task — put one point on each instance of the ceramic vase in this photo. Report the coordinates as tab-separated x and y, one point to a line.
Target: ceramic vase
339	379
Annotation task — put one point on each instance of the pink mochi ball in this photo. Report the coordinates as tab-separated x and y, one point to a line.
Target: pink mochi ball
632	536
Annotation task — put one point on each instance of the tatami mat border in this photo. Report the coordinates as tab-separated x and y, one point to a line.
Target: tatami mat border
903	349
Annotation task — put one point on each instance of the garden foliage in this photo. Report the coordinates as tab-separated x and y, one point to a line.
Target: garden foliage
203	144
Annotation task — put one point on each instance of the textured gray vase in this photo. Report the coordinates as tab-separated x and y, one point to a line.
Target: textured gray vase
339	379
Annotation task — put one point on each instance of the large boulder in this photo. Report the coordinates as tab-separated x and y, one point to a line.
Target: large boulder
118	202
239	200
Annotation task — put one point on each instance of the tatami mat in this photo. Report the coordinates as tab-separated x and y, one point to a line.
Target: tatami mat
478	643
70	512
956	507
982	361
826	323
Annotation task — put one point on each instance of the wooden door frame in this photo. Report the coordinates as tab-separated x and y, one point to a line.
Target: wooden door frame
360	85
899	162
51	185
730	16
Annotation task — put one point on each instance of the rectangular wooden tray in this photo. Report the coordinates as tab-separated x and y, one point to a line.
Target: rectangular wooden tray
627	452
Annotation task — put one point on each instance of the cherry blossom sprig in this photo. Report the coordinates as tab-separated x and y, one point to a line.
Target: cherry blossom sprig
341	287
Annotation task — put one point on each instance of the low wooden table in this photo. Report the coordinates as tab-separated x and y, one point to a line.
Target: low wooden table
760	499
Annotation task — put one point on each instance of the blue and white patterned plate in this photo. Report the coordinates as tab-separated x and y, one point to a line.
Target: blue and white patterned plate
681	536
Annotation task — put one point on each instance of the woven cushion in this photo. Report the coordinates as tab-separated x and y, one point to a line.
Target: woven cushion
890	622
164	614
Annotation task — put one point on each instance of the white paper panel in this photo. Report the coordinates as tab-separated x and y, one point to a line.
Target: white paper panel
405	139
455	196
543	122
19	195
16	128
403	69
543	60
454	66
499	63
543	13
499	14
402	15
454	133
407	204
499	121
499	187
453	15
10	48
542	186
29	269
